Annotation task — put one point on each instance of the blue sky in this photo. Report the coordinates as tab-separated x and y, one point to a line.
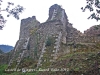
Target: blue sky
40	8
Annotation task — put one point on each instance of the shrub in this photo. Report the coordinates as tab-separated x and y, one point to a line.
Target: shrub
49	41
2	68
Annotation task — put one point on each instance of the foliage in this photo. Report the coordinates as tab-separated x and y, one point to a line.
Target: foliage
97	27
35	51
93	6
36	44
49	41
15	12
2	68
33	31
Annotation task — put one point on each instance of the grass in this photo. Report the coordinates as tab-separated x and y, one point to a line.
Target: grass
85	58
2	68
20	73
27	62
80	61
47	57
49	50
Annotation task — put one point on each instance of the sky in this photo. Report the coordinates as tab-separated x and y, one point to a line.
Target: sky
40	8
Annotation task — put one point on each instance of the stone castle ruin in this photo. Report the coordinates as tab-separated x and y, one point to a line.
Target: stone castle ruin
34	40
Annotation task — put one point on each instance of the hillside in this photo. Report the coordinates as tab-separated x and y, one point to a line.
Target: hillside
1	52
6	48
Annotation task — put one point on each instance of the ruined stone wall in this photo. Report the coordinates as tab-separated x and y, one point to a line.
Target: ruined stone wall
57	13
45	30
27	25
33	38
83	39
93	31
33	34
51	27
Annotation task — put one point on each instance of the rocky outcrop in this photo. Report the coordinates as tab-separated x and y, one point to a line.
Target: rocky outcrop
93	31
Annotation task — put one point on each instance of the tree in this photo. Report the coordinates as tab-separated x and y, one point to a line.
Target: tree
93	6
15	12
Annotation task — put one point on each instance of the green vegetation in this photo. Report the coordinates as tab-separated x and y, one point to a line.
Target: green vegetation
33	31
27	62
20	73
49	51
97	27
14	11
2	68
79	62
82	60
37	36
50	41
85	58
47	57
92	6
